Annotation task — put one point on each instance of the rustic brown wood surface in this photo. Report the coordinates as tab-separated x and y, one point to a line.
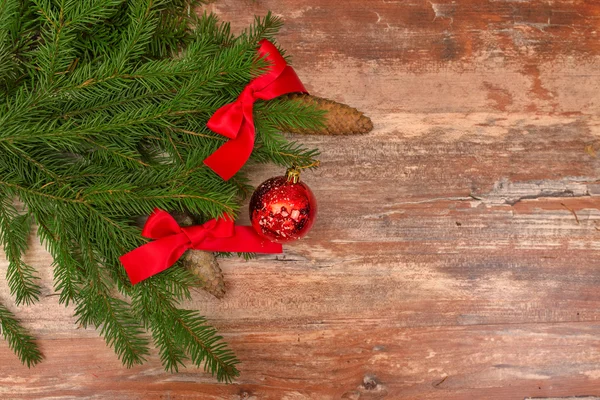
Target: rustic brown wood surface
457	250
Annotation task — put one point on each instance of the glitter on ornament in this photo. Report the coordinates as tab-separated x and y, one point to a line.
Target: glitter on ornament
283	209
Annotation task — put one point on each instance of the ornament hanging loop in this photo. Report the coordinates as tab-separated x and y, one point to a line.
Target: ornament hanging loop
293	174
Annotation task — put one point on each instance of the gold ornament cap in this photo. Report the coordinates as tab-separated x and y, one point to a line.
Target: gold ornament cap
293	174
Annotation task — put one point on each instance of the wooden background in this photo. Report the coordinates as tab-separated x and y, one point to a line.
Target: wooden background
457	250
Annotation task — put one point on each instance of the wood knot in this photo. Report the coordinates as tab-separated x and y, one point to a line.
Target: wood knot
370	382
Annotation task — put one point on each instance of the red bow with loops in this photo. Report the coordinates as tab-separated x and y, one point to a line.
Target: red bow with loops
173	240
235	120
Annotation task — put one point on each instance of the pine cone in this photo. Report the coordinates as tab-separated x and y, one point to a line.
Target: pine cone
340	119
203	264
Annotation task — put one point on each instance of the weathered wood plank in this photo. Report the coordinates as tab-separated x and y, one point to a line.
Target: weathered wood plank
350	359
426	32
423	56
455	255
565	398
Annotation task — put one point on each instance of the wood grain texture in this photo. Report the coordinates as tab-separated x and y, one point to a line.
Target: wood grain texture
457	250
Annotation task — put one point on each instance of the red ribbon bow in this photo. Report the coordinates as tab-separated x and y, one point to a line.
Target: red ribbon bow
172	241
235	120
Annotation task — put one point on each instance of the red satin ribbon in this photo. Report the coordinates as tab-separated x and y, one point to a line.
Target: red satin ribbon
172	241
235	120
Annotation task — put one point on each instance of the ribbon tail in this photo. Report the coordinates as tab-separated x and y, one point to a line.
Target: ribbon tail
154	257
230	157
244	240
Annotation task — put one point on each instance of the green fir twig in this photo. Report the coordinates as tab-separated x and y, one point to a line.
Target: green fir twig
19	341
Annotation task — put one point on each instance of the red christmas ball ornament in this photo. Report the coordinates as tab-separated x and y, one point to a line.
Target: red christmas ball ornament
283	209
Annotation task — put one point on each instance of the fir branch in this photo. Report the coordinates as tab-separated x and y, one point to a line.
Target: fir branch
116	323
25	192
54	55
200	341
138	35
21	278
8	64
270	145
263	28
171	352
282	112
98	308
209	29
67	270
174	31
204	345
104	119
21	342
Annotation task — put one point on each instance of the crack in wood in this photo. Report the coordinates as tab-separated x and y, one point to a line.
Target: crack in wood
510	193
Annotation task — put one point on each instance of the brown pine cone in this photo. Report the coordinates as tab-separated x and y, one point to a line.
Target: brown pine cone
340	119
204	265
